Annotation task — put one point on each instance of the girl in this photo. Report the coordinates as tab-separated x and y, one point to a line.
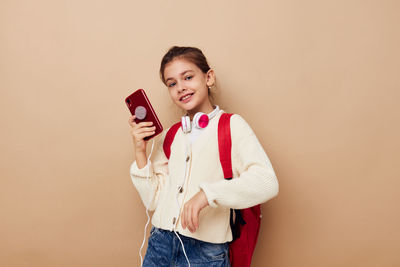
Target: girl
191	198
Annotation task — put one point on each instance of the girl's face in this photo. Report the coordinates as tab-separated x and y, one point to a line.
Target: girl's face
188	86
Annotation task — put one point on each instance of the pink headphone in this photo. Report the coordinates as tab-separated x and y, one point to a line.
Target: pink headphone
200	121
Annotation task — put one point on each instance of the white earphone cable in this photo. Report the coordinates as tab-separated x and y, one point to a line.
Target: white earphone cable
177	200
183	248
147	210
179	206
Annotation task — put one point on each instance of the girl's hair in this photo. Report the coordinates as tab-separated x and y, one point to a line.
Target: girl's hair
192	54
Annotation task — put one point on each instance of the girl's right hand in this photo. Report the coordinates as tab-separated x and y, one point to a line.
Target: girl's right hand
139	131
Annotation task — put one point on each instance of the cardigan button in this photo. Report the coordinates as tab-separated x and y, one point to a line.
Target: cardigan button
173	221
187	158
180	189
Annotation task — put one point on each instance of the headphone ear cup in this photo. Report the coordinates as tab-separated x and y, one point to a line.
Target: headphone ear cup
186	125
200	120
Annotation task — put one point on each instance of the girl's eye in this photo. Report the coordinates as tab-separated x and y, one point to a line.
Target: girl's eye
188	77
171	84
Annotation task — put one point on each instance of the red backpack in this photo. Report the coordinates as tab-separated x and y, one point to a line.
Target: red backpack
246	225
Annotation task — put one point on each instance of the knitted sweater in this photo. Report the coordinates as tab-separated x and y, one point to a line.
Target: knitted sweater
254	180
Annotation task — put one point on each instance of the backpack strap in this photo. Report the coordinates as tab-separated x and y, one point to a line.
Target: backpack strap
225	144
169	138
225	153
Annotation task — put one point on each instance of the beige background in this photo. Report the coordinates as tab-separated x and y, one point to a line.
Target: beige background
317	80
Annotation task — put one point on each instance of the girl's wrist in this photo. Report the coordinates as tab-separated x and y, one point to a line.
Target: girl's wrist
139	146
140	153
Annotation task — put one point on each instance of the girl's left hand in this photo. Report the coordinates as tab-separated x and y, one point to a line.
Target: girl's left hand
191	211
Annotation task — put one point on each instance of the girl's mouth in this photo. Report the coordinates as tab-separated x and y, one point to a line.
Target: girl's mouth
186	98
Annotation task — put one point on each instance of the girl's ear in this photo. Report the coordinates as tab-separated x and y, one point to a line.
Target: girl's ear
210	77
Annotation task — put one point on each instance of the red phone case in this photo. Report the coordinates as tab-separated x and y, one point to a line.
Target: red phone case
139	105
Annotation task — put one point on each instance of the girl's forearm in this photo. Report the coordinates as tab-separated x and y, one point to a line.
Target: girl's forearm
141	159
140	153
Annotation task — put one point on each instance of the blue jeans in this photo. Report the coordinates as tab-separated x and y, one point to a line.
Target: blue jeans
164	249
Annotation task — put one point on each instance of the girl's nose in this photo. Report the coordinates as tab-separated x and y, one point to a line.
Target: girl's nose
181	88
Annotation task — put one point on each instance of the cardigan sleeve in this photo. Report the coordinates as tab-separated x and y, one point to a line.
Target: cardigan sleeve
255	180
150	179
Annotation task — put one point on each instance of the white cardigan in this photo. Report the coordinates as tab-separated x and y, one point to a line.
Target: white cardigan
254	179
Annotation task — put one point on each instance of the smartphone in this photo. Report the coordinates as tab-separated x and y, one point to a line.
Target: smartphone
139	105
